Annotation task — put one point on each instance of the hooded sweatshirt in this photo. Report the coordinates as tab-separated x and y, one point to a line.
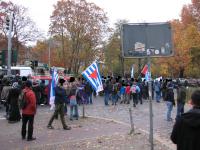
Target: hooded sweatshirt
186	131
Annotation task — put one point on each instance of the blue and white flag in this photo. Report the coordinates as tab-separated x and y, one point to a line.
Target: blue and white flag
92	75
132	72
54	81
148	76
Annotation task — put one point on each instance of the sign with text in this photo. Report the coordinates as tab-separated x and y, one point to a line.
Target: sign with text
142	39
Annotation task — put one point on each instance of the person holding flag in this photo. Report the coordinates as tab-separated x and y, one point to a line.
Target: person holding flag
60	98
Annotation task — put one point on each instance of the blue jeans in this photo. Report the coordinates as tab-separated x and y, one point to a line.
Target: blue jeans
106	98
73	109
114	99
180	109
157	96
90	98
169	110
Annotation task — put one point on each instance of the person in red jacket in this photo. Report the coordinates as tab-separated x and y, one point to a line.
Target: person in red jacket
28	112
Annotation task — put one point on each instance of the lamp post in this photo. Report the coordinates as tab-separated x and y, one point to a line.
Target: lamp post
10	21
49	53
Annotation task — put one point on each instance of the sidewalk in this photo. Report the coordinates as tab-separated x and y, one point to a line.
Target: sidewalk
86	134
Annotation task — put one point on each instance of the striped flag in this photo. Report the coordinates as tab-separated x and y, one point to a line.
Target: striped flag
92	75
54	81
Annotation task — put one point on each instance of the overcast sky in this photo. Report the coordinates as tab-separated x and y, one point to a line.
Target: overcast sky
133	10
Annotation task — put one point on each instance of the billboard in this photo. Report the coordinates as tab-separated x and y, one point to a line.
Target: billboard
142	39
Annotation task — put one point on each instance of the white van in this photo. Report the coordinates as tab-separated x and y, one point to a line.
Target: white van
20	70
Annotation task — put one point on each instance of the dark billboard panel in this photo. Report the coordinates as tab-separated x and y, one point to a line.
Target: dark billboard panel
142	39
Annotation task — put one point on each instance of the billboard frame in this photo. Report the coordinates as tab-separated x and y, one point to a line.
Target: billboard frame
152	56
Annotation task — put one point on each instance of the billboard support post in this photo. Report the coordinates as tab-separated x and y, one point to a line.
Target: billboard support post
146	40
150	105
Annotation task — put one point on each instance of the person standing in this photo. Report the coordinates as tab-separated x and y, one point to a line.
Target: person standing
186	130
181	98
169	98
13	97
60	98
134	92
29	111
4	96
157	89
89	91
127	94
114	92
107	92
73	94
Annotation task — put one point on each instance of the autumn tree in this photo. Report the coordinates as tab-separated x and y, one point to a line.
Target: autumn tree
81	25
24	29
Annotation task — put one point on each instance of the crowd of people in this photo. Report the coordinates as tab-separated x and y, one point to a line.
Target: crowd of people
123	90
75	92
13	91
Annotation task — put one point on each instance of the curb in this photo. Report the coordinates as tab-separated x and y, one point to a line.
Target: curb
156	137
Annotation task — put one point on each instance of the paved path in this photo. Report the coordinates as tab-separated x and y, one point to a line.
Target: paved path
120	112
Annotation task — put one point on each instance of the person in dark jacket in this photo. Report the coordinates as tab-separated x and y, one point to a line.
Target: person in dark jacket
181	98
13	97
60	98
186	131
28	112
170	102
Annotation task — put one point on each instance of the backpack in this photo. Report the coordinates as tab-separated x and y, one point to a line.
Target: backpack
115	88
23	102
133	89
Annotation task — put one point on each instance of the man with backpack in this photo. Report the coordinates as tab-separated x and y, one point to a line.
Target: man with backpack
134	92
28	111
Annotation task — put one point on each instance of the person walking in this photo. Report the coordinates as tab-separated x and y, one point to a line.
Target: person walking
186	130
29	111
60	98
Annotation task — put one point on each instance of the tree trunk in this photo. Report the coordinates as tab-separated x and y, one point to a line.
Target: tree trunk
181	72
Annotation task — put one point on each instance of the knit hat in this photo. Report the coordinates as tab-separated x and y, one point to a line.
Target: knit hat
28	83
61	80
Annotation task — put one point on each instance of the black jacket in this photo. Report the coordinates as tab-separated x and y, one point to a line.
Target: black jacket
186	131
169	96
181	95
60	95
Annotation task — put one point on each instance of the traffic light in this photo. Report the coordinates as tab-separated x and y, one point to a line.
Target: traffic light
36	63
32	64
7	23
2	58
10	22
